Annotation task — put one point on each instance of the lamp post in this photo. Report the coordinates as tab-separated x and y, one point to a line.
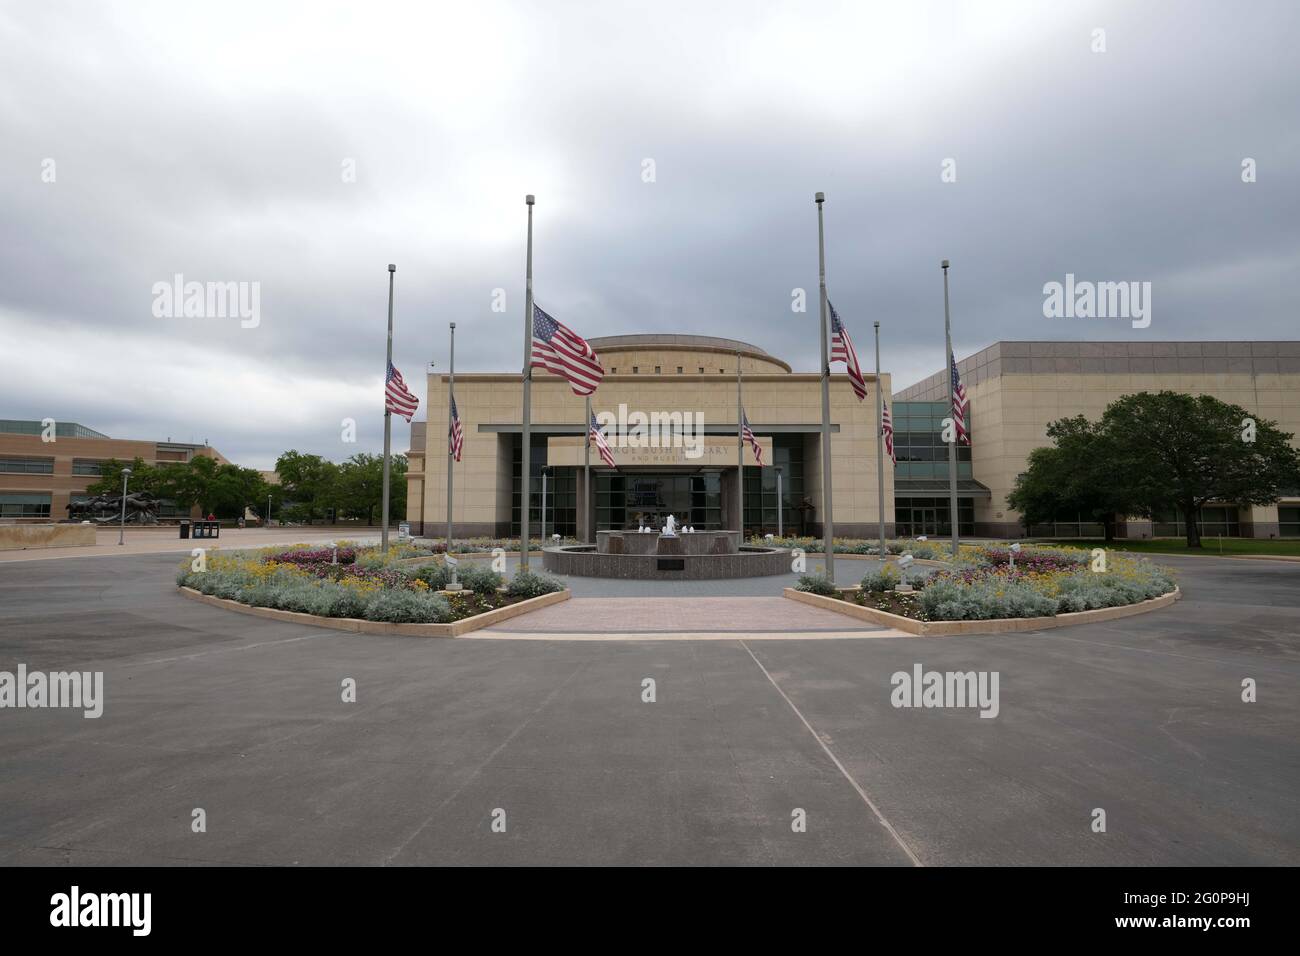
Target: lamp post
543	535
780	503
121	533
268	511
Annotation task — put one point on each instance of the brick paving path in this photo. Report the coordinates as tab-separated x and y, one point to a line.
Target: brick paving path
742	616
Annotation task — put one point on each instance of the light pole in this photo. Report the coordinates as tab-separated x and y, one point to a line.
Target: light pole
121	533
268	511
780	504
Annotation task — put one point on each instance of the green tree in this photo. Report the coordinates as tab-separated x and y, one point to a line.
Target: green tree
308	483
144	477
360	485
1153	450
1070	479
1170	448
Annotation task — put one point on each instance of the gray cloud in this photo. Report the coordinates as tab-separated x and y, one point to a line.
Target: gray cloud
210	143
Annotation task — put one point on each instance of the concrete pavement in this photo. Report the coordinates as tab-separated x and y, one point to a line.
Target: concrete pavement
244	718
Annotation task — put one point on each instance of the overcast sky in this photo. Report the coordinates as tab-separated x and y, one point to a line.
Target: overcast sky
213	140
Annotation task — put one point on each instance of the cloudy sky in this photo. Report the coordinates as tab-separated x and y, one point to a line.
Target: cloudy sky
143	140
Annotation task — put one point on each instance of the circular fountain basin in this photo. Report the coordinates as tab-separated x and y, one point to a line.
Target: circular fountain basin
695	556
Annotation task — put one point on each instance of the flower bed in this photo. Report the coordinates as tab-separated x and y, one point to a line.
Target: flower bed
983	586
371	587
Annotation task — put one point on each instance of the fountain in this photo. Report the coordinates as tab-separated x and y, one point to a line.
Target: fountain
667	556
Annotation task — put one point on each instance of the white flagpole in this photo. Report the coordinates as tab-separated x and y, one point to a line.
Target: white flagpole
388	417
880	448
949	359
740	453
451	396
589	523
828	524
526	464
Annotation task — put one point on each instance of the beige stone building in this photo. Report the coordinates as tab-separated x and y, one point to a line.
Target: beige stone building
42	468
1017	388
652	374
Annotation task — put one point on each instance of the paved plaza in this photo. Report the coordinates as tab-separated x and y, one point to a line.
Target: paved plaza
761	708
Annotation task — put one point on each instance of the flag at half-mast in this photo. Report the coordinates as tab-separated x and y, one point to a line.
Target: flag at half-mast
747	434
455	434
559	349
842	350
397	397
959	403
598	439
887	429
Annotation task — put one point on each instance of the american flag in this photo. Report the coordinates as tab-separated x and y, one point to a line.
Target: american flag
455	435
606	455
747	434
887	429
959	403
397	397
842	351
562	351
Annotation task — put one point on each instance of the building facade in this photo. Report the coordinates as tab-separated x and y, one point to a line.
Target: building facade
43	469
667	376
1017	388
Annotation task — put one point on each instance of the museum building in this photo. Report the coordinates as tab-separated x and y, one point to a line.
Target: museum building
1015	389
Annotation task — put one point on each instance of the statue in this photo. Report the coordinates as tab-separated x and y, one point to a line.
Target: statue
670	527
141	508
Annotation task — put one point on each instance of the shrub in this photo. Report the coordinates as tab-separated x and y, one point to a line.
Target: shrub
335	600
881	579
531	584
408	607
982	600
479	578
917	579
434	575
818	583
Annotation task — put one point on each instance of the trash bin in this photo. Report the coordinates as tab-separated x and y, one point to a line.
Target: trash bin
185	529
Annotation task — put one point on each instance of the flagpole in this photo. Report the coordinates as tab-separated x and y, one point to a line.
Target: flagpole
588	524
451	397
952	412
828	524
388	416
526	463
740	453
880	449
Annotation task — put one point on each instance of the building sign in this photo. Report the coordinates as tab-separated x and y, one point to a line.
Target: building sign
718	451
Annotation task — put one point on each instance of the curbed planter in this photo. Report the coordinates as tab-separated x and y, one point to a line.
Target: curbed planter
359	626
995	626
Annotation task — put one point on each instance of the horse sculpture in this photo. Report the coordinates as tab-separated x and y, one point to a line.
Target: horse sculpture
141	508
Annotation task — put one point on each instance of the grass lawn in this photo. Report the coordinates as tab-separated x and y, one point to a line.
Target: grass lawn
1229	546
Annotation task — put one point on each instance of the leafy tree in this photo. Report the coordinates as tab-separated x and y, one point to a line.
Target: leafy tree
216	487
144	477
1151	450
1070	478
1171	448
308	483
359	489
